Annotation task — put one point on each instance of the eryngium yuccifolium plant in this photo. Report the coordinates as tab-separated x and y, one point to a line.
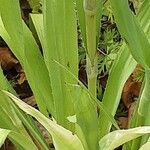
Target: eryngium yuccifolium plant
70	113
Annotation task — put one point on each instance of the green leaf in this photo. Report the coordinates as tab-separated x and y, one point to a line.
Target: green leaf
22	140
143	108
131	31
98	18
35	5
99	104
13	26
119	137
146	146
20	40
3	135
89	24
60	32
63	138
81	20
121	70
12	117
24	143
37	20
87	118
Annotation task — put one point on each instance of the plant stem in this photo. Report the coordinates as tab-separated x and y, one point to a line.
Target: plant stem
90	19
92	75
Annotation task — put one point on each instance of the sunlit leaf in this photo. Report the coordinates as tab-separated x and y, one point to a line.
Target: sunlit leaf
63	138
146	146
119	137
3	135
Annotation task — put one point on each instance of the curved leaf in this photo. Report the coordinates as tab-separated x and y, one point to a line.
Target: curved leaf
119	137
3	135
63	138
24	143
146	146
131	31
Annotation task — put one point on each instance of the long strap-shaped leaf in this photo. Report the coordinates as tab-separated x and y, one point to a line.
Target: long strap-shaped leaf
87	118
136	41
20	40
121	70
60	32
131	31
15	120
119	137
146	146
63	138
119	73
94	100
38	18
3	135
24	143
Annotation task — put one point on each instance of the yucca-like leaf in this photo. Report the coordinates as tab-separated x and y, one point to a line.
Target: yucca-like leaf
14	120
144	101
22	140
122	68
121	63
63	138
44	98
131	31
19	38
142	112
81	20
143	16
10	121
94	100
60	32
3	135
146	146
12	117
144	105
87	118
119	137
25	143
37	21
13	27
7	111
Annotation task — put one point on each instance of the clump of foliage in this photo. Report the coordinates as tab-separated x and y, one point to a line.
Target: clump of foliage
70	112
